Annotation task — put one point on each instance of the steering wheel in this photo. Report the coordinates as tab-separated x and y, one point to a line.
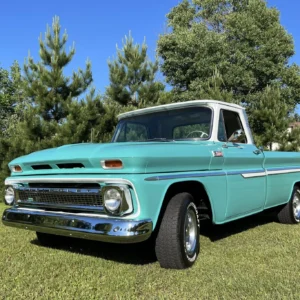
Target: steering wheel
203	134
236	135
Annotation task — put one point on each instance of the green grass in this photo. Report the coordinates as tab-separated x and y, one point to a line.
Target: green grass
254	258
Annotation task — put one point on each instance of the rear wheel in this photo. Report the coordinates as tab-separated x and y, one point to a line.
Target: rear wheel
177	243
290	213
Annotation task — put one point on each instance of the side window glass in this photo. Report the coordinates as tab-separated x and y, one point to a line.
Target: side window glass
233	127
221	129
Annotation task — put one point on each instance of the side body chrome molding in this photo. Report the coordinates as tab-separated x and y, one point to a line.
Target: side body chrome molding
243	173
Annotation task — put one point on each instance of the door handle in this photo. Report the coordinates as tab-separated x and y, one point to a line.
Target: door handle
257	151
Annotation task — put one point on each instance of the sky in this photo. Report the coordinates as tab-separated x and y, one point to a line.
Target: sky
96	27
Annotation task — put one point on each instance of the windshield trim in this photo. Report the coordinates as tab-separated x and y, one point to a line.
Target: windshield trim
117	130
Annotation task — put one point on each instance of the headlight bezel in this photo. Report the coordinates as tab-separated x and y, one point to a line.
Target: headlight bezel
9	192
125	206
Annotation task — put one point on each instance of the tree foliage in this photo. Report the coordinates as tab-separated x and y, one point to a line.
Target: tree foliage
269	117
11	93
243	39
50	118
132	76
51	112
47	86
290	141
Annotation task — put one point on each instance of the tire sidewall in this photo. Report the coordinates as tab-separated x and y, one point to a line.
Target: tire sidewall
295	221
189	259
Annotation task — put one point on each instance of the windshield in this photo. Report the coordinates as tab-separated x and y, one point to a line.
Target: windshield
193	123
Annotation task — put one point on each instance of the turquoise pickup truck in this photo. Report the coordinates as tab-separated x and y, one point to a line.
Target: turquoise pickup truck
166	168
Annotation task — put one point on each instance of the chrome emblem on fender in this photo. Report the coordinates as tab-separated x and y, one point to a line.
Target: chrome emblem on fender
217	153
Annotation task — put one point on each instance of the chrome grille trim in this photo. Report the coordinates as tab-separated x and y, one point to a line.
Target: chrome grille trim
60	198
19	180
50	206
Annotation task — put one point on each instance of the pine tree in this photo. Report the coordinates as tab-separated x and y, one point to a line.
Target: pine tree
5	99
48	89
290	141
269	118
87	121
132	76
48	101
53	96
11	93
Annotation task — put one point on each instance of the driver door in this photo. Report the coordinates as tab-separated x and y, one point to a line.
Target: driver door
243	163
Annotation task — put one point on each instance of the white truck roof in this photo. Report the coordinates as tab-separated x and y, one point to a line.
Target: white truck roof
176	105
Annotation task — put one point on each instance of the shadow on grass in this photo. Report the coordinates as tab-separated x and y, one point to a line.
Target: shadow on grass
218	232
143	253
137	254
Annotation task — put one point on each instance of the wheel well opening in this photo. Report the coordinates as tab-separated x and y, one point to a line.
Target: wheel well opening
198	192
297	184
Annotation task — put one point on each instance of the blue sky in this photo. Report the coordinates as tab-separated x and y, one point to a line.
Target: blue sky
97	26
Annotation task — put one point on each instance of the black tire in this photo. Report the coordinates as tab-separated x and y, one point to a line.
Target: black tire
287	214
49	240
171	248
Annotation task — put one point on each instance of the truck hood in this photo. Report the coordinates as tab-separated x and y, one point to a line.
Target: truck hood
148	157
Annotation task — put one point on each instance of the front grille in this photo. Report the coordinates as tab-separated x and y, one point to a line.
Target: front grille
69	197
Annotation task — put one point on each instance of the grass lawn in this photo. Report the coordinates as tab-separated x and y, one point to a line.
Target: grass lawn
255	258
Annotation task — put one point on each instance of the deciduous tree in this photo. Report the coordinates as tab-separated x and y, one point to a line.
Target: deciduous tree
243	39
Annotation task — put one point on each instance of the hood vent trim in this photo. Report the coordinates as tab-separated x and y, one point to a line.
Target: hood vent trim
41	167
70	166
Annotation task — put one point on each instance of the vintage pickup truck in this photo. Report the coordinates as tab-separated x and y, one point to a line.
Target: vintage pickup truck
166	168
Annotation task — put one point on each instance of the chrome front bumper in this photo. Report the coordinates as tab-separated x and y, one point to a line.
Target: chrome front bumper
74	225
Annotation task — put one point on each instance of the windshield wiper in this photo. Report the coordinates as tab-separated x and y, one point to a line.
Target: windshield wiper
159	140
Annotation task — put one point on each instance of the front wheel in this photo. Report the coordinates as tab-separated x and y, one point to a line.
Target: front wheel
290	213
177	243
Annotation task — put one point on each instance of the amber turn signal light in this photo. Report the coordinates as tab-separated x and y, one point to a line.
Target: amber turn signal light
16	168
112	164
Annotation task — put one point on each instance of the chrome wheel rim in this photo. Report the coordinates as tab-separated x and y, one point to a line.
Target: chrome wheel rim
296	206
190	232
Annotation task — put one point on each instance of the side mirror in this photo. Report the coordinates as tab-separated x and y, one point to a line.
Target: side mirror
261	148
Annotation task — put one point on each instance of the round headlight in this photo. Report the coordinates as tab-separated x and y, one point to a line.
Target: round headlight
9	195
112	200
